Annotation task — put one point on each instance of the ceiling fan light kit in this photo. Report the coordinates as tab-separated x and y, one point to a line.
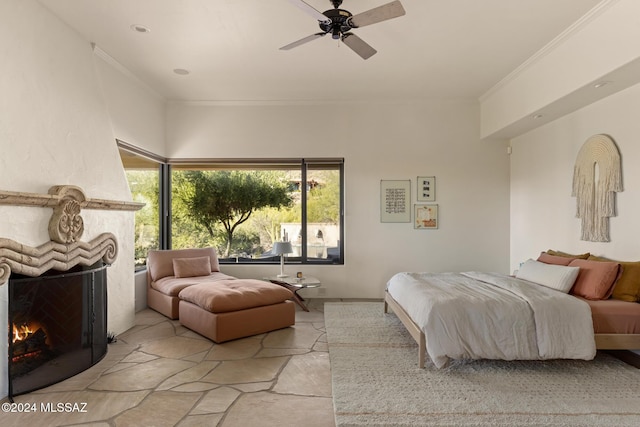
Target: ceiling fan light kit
339	23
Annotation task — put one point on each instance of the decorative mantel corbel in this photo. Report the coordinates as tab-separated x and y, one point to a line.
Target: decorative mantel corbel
66	226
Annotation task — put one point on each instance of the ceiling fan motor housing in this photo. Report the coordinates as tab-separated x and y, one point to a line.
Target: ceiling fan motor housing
339	22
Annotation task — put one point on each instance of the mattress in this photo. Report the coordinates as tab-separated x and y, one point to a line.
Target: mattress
614	316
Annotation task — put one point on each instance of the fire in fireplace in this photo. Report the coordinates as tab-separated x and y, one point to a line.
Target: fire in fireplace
29	342
57	325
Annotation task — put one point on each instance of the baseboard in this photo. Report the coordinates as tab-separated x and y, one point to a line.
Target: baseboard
628	357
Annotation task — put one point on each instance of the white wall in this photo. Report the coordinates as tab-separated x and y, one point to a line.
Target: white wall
542	209
54	129
136	112
378	141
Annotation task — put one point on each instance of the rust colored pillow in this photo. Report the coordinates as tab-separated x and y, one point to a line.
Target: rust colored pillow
554	259
566	255
192	267
160	262
628	285
596	279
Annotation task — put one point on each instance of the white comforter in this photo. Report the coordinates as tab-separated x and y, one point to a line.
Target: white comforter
492	316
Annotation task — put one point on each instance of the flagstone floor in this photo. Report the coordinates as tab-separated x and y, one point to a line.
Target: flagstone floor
160	373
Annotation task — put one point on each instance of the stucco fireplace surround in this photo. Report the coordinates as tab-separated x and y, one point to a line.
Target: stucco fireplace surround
57	291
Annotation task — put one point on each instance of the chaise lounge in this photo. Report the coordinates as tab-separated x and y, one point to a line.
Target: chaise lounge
187	284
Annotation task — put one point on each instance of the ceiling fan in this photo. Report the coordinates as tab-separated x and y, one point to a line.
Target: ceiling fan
339	23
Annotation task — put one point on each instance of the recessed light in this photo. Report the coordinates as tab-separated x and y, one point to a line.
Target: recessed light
181	71
600	84
140	28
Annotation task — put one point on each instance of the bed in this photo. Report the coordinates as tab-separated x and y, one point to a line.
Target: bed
493	316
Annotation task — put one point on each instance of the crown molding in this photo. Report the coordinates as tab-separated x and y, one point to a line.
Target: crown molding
586	19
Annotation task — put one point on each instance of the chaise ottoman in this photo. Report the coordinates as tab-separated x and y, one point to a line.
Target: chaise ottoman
229	309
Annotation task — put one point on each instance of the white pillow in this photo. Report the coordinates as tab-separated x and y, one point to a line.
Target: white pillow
558	277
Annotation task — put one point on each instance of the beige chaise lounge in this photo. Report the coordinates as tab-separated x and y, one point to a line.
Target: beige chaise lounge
187	284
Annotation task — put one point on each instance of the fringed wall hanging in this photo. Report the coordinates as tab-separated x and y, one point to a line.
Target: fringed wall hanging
597	176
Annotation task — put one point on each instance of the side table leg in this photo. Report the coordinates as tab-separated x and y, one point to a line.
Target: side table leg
296	298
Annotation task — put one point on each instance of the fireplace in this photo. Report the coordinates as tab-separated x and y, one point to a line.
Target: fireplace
57	291
57	325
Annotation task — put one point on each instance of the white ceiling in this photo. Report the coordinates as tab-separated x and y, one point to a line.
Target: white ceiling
440	48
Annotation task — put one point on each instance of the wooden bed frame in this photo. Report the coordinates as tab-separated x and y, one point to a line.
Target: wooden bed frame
603	341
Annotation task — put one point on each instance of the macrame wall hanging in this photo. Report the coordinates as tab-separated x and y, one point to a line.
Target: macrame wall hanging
597	176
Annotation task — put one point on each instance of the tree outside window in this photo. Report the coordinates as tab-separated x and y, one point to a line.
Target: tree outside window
220	202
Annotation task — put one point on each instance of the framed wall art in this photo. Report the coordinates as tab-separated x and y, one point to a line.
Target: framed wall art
426	217
395	201
426	188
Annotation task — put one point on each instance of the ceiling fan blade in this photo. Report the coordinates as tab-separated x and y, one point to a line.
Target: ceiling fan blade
378	14
308	9
303	41
358	45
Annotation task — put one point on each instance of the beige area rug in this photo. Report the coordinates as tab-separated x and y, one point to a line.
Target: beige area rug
376	382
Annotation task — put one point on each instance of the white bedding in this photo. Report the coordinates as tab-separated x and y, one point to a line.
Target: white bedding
492	316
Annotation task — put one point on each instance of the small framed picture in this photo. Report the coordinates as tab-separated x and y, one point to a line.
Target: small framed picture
395	200
426	217
426	189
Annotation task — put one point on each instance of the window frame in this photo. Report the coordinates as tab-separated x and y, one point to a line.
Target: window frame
167	165
268	164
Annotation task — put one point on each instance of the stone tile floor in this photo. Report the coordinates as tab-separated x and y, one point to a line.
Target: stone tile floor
160	373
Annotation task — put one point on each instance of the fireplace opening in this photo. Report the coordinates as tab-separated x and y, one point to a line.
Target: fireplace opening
30	348
57	325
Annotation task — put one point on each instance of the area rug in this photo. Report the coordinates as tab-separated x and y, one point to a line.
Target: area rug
376	382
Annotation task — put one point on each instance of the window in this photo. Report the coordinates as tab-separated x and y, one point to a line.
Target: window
143	176
241	208
323	212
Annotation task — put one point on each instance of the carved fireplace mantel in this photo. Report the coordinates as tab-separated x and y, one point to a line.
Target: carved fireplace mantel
65	249
58	193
